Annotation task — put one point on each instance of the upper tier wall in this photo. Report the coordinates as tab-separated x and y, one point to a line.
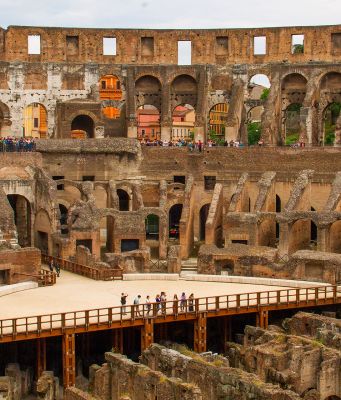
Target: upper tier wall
216	46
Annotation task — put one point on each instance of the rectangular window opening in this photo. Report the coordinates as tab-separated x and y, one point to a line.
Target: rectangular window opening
297	44
109	46
147	46
184	52
222	46
259	45
210	182
72	45
336	43
36	122
179	179
33	44
60	186
88	178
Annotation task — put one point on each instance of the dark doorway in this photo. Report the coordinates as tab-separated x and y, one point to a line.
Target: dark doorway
152	227
123	200
174	220
278	204
43	242
203	218
129	245
84	123
86	243
22	218
63	218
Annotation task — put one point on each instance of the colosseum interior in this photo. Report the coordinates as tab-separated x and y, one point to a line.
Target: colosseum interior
103	197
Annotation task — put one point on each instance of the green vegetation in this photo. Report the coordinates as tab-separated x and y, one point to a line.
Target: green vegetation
254	131
291	139
298	49
265	94
216	138
332	114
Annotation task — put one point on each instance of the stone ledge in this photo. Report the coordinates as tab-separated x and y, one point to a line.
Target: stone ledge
150	277
252	280
17	287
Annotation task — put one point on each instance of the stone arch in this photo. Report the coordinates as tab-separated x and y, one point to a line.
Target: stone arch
22	218
301	235
148	90
83	124
258	79
148	122
267	232
5	120
184	90
42	231
294	81
35	121
330	81
291	123
110	88
174	217
331	121
217	118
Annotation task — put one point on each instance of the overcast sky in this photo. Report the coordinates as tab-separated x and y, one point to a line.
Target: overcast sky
169	13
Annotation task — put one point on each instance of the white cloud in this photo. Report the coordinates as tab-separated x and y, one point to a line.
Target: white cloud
169	14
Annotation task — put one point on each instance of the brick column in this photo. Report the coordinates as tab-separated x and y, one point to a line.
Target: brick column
69	360
200	333
41	357
147	334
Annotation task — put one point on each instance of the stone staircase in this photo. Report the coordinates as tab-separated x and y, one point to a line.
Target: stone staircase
188	266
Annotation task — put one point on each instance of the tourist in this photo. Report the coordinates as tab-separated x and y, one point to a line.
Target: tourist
124	302
175	304
51	266
183	302
57	269
163	299
148	304
158	303
191	303
136	306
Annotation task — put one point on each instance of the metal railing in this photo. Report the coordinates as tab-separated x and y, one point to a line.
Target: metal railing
104	274
104	318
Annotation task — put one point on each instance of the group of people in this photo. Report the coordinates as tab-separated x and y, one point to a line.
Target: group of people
13	144
159	304
191	145
54	266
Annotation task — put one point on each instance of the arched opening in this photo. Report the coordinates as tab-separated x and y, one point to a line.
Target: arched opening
148	123
292	123
111	112
183	118
174	220
4	120
259	87
331	82
63	218
123	200
83	125
42	229
217	121
110	88
35	121
184	90
254	125
278	204
267	233
302	235
331	116
152	227
22	218
335	237
333	398
204	210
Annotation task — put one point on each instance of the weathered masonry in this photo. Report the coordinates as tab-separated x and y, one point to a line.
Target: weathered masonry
68	82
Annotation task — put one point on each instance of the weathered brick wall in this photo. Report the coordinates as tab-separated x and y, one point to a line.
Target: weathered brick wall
73	393
26	261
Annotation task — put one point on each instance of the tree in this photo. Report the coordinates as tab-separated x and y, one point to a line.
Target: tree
298	49
265	94
254	132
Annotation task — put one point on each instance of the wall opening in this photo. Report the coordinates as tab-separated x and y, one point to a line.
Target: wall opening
152	227
35	121
221	45
147	46
43	242
259	45
33	44
72	45
209	182
148	123
109	46
183	118
63	219
335	237
174	220
83	126
203	214
110	88
123	200
129	244
184	52
278	204
330	118
217	121
84	242
22	218
292	123
297	44
336	44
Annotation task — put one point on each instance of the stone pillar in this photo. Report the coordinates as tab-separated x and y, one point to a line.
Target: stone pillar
262	319
200	333
130	104
117	340
147	334
200	110
323	238
69	360
23	221
41	357
283	245
166	114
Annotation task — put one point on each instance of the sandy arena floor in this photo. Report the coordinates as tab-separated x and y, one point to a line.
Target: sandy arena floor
73	292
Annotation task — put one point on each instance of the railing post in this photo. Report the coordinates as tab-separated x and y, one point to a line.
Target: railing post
217	304
297	296
69	360
200	333
147	333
